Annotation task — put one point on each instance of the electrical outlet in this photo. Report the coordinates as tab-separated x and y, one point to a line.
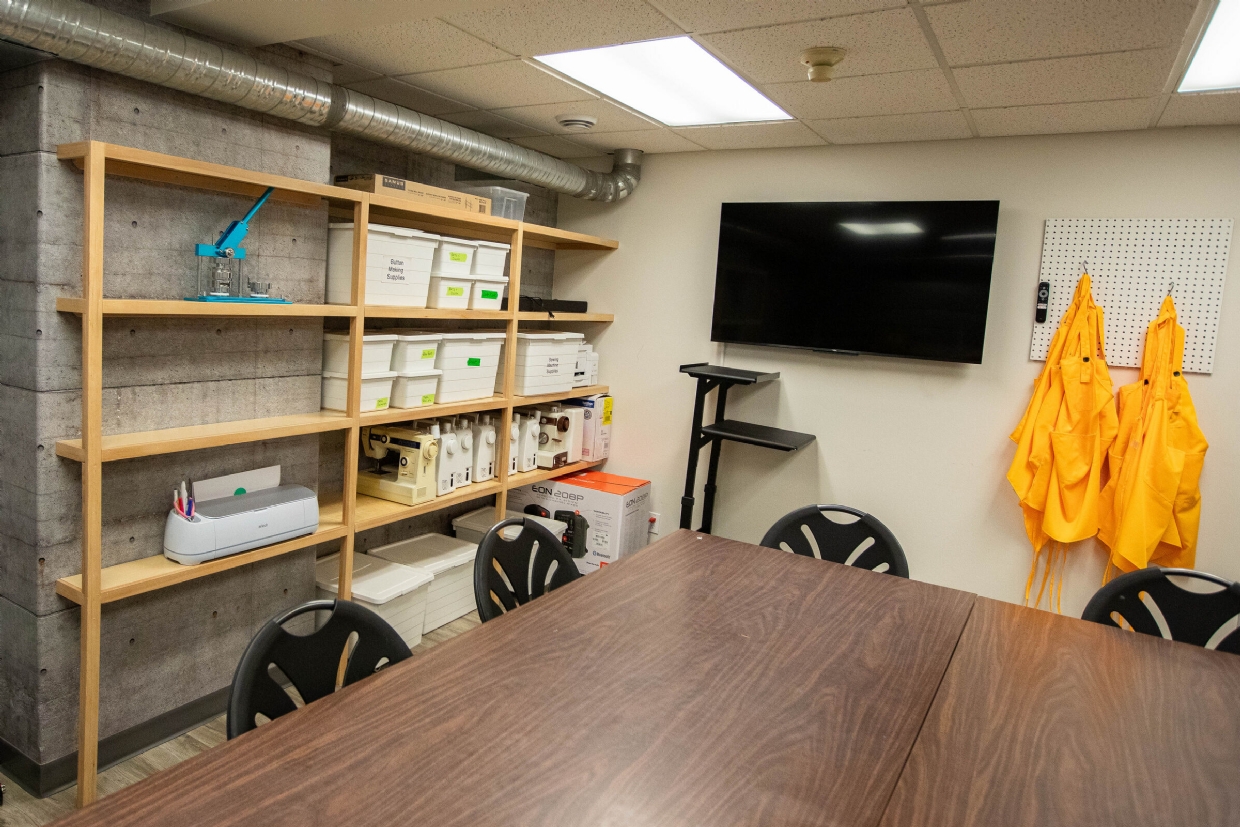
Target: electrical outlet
654	523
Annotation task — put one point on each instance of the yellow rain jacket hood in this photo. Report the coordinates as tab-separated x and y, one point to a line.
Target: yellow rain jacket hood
1151	504
1065	434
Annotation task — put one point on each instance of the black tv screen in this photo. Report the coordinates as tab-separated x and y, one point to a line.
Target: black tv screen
894	278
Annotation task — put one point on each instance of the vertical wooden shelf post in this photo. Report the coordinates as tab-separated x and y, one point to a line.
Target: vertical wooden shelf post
352	436
509	368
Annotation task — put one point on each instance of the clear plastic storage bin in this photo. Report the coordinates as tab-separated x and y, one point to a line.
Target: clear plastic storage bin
505	203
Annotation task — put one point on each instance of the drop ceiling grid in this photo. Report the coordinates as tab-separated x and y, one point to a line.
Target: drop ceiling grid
916	68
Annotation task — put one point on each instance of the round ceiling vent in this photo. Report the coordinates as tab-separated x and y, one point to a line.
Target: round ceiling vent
821	61
577	123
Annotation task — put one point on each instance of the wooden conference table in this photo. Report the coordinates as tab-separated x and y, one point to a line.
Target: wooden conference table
703	681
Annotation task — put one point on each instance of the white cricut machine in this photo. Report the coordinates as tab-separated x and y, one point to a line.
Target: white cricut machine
230	518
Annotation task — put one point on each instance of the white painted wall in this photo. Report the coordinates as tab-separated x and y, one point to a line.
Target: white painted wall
924	446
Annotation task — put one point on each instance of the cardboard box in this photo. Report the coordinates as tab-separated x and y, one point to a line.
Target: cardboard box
616	508
596	430
412	191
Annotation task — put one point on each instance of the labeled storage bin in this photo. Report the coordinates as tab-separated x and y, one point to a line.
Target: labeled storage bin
490	258
472	527
546	362
450	291
376	391
488	292
450	561
470	362
505	202
414	350
454	257
415	389
396	593
376	353
398	264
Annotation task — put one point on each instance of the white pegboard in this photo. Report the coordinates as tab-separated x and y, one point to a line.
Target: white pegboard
1132	262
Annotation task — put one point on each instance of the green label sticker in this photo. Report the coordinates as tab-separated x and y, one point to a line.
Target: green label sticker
490	294
428	398
428	353
381	403
473	362
455	291
458	256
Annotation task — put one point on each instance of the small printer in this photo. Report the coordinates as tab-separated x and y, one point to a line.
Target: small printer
233	524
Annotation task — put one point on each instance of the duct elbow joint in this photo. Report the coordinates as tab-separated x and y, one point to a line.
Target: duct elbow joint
625	175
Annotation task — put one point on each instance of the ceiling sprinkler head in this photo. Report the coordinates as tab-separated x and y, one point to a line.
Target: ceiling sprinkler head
821	60
577	123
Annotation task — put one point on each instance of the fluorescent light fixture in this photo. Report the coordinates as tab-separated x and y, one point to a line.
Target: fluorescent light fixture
675	81
890	228
1216	64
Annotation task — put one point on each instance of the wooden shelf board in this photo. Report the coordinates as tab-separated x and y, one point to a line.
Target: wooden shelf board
527	477
553	238
143	307
575	393
194	437
373	512
391	311
430	411
545	316
388	209
153	573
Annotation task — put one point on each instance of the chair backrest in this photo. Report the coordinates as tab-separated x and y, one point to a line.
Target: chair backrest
310	662
864	542
1150	601
510	573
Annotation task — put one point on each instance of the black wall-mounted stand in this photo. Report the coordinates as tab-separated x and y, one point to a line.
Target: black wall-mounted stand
710	377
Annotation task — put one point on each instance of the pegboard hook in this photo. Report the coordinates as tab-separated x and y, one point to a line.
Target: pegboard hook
1169	289
1085	267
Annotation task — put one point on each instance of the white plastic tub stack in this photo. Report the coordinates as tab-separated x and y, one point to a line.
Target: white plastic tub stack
546	362
414	350
415	388
396	593
451	278
376	374
489	275
469	361
398	264
450	561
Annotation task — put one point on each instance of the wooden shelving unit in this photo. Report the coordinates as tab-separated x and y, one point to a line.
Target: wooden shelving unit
341	515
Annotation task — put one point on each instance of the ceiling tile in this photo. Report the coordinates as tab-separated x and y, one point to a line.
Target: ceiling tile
1067	79
1202	108
991	31
557	146
541	27
898	93
886	41
611	118
416	99
492	124
1099	116
720	15
752	135
344	74
647	140
496	85
922	126
409	47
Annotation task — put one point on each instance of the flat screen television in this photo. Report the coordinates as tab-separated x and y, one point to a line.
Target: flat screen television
893	278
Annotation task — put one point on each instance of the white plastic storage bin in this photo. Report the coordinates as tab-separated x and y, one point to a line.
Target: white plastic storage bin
490	258
454	257
472	527
376	353
414	350
398	264
450	292
546	362
396	593
505	203
470	362
376	391
415	389
488	292
451	561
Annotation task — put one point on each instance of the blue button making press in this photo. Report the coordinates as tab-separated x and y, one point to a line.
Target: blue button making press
219	266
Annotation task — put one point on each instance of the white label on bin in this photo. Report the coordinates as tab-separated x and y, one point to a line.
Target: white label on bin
552	361
458	256
428	353
397	262
455	291
428	398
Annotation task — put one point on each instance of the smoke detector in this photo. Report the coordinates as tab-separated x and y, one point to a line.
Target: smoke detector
577	123
821	60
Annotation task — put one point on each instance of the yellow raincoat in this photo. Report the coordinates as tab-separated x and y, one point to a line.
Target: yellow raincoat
1063	438
1152	503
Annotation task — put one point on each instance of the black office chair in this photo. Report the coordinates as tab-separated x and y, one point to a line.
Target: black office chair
309	662
511	573
865	542
1150	602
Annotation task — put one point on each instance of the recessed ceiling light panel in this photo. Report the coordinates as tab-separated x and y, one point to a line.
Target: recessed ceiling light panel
675	81
1216	64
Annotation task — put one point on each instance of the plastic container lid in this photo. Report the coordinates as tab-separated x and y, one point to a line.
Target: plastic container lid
474	334
412	374
552	335
484	277
387	374
366	337
404	232
411	336
432	553
482	519
375	580
499	245
468	242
